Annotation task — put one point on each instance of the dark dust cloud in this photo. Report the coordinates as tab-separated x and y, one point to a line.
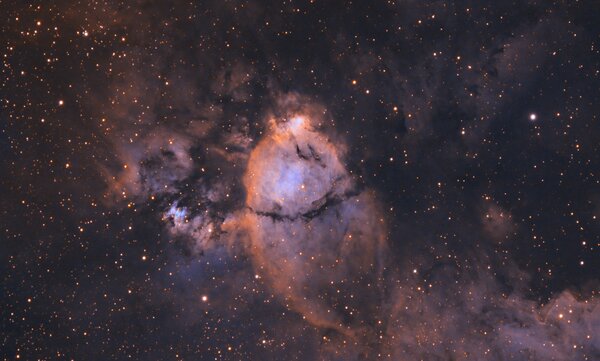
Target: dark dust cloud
300	180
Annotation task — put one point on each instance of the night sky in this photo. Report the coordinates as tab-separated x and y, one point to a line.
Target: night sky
300	180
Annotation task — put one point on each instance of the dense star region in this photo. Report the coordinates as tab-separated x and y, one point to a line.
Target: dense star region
300	180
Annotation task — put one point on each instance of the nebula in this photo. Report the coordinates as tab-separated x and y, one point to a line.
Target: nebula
300	180
317	241
295	172
311	229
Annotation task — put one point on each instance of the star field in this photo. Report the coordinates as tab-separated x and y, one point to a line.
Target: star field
300	180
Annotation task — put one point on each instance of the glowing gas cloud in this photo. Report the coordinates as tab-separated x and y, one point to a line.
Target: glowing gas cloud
294	171
310	227
318	244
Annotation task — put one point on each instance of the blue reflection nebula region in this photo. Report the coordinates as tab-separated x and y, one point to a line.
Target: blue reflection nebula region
289	181
178	214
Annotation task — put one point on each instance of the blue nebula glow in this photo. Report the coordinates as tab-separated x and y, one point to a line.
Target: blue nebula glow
178	214
289	182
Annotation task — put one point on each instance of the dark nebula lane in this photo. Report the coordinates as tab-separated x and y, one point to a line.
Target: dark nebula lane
300	180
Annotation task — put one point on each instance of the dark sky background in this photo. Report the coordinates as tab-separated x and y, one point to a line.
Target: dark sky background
152	155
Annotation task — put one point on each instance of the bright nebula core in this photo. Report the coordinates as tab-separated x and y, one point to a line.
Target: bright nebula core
294	171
